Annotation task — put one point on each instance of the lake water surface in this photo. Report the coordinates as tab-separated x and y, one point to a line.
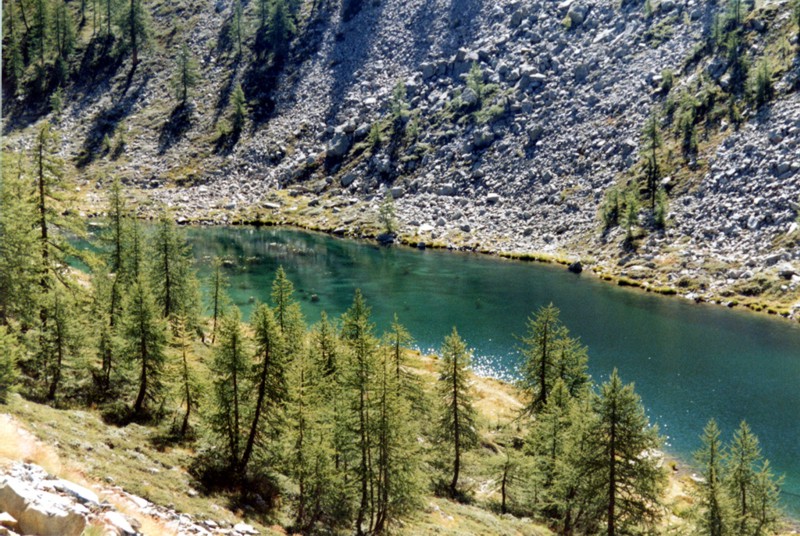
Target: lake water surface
689	362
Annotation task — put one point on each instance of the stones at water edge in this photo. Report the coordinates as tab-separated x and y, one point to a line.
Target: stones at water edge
575	267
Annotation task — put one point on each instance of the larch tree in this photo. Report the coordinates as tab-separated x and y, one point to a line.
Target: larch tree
397	480
217	285
750	484
239	109
550	354
188	385
13	61
229	368
9	355
134	23
185	75
64	33
713	500
361	347
652	171
175	282
549	434
20	266
457	421
145	338
268	378
60	338
622	459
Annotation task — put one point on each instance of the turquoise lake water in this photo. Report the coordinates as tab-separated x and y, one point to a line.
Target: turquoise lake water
689	362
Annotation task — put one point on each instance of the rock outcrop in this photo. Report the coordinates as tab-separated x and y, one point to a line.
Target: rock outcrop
34	503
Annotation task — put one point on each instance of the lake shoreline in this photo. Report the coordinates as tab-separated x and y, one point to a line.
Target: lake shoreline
595	270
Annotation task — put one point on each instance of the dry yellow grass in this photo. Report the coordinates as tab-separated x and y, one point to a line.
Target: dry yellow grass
17	444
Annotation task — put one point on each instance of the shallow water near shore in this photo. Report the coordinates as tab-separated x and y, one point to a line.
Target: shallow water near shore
689	362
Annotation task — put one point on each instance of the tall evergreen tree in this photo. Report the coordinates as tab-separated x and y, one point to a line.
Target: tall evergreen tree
229	368
280	28
752	488
185	76
176	286
312	453
217	283
550	354
713	504
40	38
361	345
397	487
268	377
60	339
548	437
9	355
239	109
457	421
134	22
13	60
64	33
49	174
20	265
652	143
144	335
621	461
189	386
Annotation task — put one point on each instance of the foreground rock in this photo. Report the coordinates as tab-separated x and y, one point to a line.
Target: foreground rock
34	503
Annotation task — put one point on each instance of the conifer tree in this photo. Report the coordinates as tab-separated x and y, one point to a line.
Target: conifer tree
548	437
457	422
229	368
236	27
188	384
186	76
49	172
13	60
176	287
652	141
218	283
550	353
330	505
752	488
268	377
361	345
144	335
239	105
713	504
39	38
325	347
135	26
280	28
312	453
9	355
64	33
766	498
621	465
60	340
396	477
19	248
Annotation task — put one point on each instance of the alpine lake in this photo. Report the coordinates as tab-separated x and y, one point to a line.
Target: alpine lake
689	362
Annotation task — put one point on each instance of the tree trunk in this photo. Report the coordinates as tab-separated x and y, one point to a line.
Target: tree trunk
612	478
262	390
456	430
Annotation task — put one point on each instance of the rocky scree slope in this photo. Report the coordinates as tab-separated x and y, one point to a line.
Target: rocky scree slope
516	156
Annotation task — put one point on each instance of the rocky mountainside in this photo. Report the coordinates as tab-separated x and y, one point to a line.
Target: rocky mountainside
496	126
